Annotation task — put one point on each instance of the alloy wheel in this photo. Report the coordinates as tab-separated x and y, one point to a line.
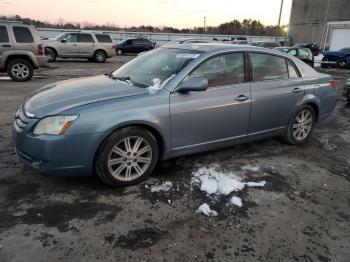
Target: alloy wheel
302	125
20	70
130	158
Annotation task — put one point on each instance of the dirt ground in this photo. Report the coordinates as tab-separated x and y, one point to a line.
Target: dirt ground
301	214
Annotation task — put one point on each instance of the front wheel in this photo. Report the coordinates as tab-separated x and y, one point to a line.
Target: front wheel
119	52
301	126
127	157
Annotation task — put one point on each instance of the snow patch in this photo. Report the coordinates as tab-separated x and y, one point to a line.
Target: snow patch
256	184
252	168
155	87
165	187
237	201
205	210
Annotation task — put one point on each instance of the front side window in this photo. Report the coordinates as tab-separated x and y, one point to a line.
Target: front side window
103	38
222	70
303	53
4	37
86	38
268	67
155	67
22	34
71	38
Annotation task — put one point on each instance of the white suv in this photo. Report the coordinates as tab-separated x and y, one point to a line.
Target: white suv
21	50
95	47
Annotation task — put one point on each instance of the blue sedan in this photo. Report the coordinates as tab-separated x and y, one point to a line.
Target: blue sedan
340	59
169	102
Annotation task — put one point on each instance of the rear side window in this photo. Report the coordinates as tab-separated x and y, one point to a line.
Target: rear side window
268	67
4	37
291	70
222	70
140	42
103	38
23	34
292	52
86	38
303	53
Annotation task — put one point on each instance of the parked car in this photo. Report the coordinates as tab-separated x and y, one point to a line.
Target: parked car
303	54
181	41
340	59
95	47
135	46
169	102
347	90
312	46
266	44
21	50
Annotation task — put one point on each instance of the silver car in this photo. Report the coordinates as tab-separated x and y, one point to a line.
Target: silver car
96	47
169	102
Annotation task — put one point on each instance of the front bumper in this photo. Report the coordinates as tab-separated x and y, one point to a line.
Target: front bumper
64	155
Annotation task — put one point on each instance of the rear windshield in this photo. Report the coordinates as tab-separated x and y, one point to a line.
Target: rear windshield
103	38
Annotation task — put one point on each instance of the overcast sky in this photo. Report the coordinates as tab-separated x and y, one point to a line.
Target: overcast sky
176	13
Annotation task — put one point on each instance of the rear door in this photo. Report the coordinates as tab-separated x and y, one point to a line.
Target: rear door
24	40
276	90
219	114
5	41
86	45
69	46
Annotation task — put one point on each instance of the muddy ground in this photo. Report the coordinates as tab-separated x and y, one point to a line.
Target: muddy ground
301	214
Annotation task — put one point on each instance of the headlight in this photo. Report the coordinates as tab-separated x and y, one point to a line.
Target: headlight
54	125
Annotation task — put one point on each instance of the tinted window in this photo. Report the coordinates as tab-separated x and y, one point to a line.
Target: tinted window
103	38
292	52
140	42
222	70
23	34
71	38
128	42
86	38
303	53
4	37
268	67
291	70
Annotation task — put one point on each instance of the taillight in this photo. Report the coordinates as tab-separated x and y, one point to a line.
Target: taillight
333	84
40	49
114	46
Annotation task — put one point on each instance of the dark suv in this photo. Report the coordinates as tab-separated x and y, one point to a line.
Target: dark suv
136	45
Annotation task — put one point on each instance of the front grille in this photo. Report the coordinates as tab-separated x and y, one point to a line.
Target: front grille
21	120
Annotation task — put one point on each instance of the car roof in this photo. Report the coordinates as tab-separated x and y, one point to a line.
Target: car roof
217	47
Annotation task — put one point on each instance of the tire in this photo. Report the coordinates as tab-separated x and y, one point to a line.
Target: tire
51	54
114	160
341	63
20	70
100	56
119	52
294	137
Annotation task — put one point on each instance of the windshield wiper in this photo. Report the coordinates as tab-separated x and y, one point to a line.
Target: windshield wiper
123	78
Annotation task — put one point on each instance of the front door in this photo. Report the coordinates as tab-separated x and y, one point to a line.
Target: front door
276	91
218	114
69	46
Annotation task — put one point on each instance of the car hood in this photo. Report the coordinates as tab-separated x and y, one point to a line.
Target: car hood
57	97
334	53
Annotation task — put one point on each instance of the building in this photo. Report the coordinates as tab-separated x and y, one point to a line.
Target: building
325	22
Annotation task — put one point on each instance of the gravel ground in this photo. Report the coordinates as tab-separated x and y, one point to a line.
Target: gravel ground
302	213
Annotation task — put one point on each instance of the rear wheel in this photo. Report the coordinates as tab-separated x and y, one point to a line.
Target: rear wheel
301	125
127	157
119	52
341	63
20	70
100	56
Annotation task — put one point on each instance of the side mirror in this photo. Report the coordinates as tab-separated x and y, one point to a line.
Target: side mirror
63	40
193	84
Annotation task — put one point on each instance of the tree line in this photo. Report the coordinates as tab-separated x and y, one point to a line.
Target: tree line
235	27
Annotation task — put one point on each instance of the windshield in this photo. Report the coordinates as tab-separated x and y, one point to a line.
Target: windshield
345	50
61	36
155	67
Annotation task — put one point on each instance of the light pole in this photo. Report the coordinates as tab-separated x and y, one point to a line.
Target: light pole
279	18
205	20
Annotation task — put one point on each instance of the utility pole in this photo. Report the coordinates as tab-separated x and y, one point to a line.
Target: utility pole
205	20
279	18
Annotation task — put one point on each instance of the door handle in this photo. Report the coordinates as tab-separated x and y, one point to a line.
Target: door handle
241	98
6	45
297	90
